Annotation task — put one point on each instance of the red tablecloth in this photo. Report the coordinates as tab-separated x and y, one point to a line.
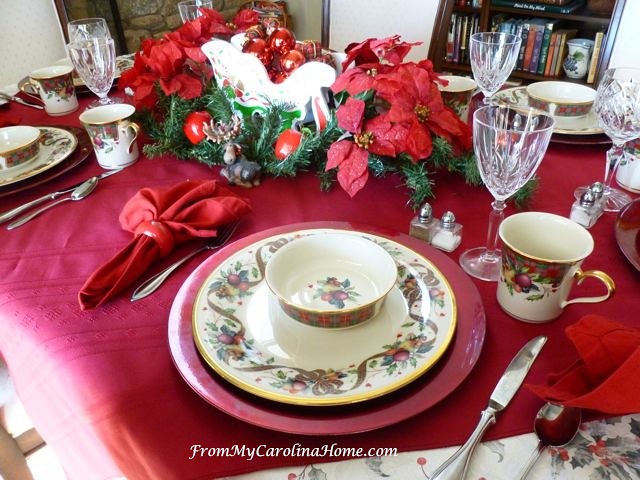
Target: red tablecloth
100	385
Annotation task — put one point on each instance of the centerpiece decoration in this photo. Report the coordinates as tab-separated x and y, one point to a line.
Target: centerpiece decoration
381	115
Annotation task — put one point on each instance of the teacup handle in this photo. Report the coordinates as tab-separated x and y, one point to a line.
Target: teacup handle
136	131
603	277
31	89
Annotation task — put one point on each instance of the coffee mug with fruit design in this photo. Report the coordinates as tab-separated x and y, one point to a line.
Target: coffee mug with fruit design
54	87
541	258
112	134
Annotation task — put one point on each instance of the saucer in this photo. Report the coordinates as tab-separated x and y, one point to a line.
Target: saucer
243	334
56	144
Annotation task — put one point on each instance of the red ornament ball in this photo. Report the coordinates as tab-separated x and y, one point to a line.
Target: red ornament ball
193	127
291	60
259	49
255	31
282	40
287	143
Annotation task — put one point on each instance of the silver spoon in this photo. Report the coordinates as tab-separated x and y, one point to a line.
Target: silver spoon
555	426
79	193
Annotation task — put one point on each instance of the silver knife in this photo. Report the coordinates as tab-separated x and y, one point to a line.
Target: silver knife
13	98
9	214
455	467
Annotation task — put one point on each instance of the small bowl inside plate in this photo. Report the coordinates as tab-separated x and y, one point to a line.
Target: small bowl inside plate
18	145
561	99
331	280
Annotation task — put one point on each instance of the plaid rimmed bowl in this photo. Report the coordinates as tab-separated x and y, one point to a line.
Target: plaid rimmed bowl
331	280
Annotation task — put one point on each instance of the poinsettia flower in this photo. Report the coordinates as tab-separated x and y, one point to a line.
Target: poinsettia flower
416	103
359	79
389	50
244	19
185	85
351	157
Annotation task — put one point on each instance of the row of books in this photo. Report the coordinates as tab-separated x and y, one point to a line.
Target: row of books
544	44
461	27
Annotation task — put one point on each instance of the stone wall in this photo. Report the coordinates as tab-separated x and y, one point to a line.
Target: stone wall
152	18
143	18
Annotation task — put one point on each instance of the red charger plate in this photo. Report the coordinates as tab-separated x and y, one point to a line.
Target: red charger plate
627	230
400	405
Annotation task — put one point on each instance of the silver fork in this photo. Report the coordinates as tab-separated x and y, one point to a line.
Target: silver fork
150	285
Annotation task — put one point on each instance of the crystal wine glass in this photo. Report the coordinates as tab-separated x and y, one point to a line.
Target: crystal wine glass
95	62
509	144
86	28
493	56
617	108
190	9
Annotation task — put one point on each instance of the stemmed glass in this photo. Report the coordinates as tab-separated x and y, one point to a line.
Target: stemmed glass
95	62
86	28
617	108
493	56
191	9
92	52
509	143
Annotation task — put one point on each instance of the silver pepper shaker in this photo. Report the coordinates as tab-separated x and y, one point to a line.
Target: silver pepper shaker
423	225
586	210
448	233
598	191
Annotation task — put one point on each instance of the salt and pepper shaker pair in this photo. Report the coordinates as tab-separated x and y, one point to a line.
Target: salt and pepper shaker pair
444	234
588	208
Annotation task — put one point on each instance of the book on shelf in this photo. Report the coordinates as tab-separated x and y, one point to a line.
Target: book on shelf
552	54
524	37
566	34
549	27
569	7
593	64
461	27
550	2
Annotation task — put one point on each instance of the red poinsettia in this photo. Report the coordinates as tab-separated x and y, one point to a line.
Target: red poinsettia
392	109
176	62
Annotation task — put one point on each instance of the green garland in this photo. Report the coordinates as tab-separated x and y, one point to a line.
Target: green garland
259	134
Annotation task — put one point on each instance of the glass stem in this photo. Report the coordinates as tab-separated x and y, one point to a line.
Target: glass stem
614	154
495	218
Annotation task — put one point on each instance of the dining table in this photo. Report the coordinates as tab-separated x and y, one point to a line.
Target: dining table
121	391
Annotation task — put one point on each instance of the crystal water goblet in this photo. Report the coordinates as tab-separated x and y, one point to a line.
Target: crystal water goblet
86	28
617	109
191	9
95	62
509	143
493	56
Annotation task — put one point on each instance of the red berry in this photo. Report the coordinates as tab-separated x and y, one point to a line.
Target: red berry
401	355
225	339
340	295
523	280
233	279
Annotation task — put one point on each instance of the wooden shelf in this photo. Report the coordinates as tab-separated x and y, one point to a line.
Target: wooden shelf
585	21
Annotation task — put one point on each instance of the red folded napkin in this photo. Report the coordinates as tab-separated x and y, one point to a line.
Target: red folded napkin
159	220
606	377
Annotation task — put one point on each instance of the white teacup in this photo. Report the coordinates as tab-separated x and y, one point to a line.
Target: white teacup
541	258
457	94
112	134
54	86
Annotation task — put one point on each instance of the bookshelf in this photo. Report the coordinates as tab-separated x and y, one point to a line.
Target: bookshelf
584	22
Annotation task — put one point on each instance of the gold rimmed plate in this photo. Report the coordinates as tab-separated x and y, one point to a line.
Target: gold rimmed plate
243	335
56	144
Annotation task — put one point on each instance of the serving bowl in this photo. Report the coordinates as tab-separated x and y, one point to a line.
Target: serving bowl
18	145
561	99
332	280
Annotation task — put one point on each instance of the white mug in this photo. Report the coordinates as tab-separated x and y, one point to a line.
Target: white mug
457	94
54	86
112	134
541	258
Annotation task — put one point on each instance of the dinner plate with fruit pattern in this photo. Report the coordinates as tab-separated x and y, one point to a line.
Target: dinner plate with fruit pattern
243	335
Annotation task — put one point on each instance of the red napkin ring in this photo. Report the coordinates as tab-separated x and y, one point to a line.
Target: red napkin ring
159	232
